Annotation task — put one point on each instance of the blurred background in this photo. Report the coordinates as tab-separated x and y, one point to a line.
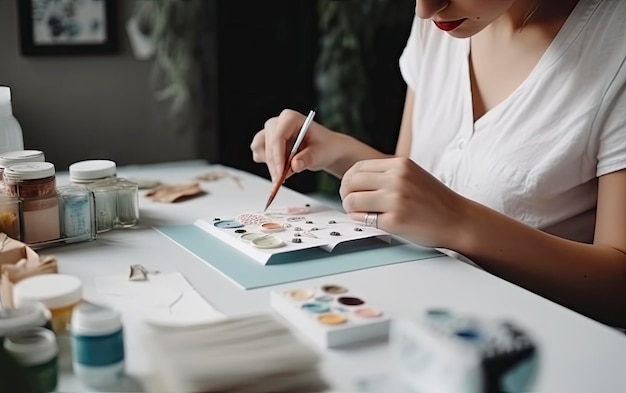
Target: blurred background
184	79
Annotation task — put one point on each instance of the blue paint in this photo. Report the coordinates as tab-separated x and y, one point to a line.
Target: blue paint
228	224
316	307
95	351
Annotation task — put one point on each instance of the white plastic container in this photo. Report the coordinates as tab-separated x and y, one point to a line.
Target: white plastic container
11	137
97	345
60	293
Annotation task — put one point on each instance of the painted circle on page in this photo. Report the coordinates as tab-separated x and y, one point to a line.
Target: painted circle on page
228	224
268	241
270	227
250	236
332	319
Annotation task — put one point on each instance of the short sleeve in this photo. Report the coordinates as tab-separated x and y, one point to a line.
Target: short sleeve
410	58
612	136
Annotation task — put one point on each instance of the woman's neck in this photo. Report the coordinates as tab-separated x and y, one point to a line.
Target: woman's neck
530	14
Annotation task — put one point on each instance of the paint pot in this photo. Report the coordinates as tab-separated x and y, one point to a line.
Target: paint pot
35	184
271	227
17	157
97	345
29	315
116	198
60	293
36	350
78	220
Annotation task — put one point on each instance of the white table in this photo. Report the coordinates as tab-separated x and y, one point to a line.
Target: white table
576	354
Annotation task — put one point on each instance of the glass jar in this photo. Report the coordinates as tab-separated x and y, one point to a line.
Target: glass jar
116	199
78	220
17	157
34	183
10	216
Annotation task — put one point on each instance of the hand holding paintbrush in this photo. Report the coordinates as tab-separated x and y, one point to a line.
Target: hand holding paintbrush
279	182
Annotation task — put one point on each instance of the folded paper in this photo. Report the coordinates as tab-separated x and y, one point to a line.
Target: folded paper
17	262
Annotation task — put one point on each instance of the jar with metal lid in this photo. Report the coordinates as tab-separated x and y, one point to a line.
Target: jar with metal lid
18	157
35	184
116	199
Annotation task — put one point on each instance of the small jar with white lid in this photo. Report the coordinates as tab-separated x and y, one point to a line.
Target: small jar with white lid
34	183
97	345
60	293
36	350
28	315
116	199
18	157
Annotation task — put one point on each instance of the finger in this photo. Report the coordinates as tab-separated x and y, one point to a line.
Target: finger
366	201
374	165
258	147
360	217
302	160
270	129
356	181
284	130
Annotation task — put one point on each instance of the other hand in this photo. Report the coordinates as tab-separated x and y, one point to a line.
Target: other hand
410	202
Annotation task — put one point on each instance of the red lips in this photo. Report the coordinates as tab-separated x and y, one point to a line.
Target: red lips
449	26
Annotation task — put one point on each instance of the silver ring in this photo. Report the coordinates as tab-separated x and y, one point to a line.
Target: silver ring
371	220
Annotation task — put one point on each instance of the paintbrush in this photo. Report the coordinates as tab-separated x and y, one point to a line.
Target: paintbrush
294	150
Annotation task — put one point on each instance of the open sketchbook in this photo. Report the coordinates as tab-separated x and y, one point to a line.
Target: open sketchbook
263	236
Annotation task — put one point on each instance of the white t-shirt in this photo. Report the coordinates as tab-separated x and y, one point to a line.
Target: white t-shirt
537	155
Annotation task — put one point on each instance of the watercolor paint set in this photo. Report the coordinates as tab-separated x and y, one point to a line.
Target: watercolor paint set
331	315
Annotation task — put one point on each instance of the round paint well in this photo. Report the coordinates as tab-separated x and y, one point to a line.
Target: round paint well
350	301
332	319
272	227
334	289
228	224
299	294
267	241
367	312
325	298
250	236
438	313
316	307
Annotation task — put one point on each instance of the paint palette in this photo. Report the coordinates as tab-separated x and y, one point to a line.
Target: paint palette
331	315
272	236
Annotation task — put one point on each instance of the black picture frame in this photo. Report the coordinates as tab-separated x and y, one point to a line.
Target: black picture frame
67	27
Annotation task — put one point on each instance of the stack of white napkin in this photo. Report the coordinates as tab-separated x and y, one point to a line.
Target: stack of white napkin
247	354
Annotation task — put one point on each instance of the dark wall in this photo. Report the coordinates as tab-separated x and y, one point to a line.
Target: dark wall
265	62
262	58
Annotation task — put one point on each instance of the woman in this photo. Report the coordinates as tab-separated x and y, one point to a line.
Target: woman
512	148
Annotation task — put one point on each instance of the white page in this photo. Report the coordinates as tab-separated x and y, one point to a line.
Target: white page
317	233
